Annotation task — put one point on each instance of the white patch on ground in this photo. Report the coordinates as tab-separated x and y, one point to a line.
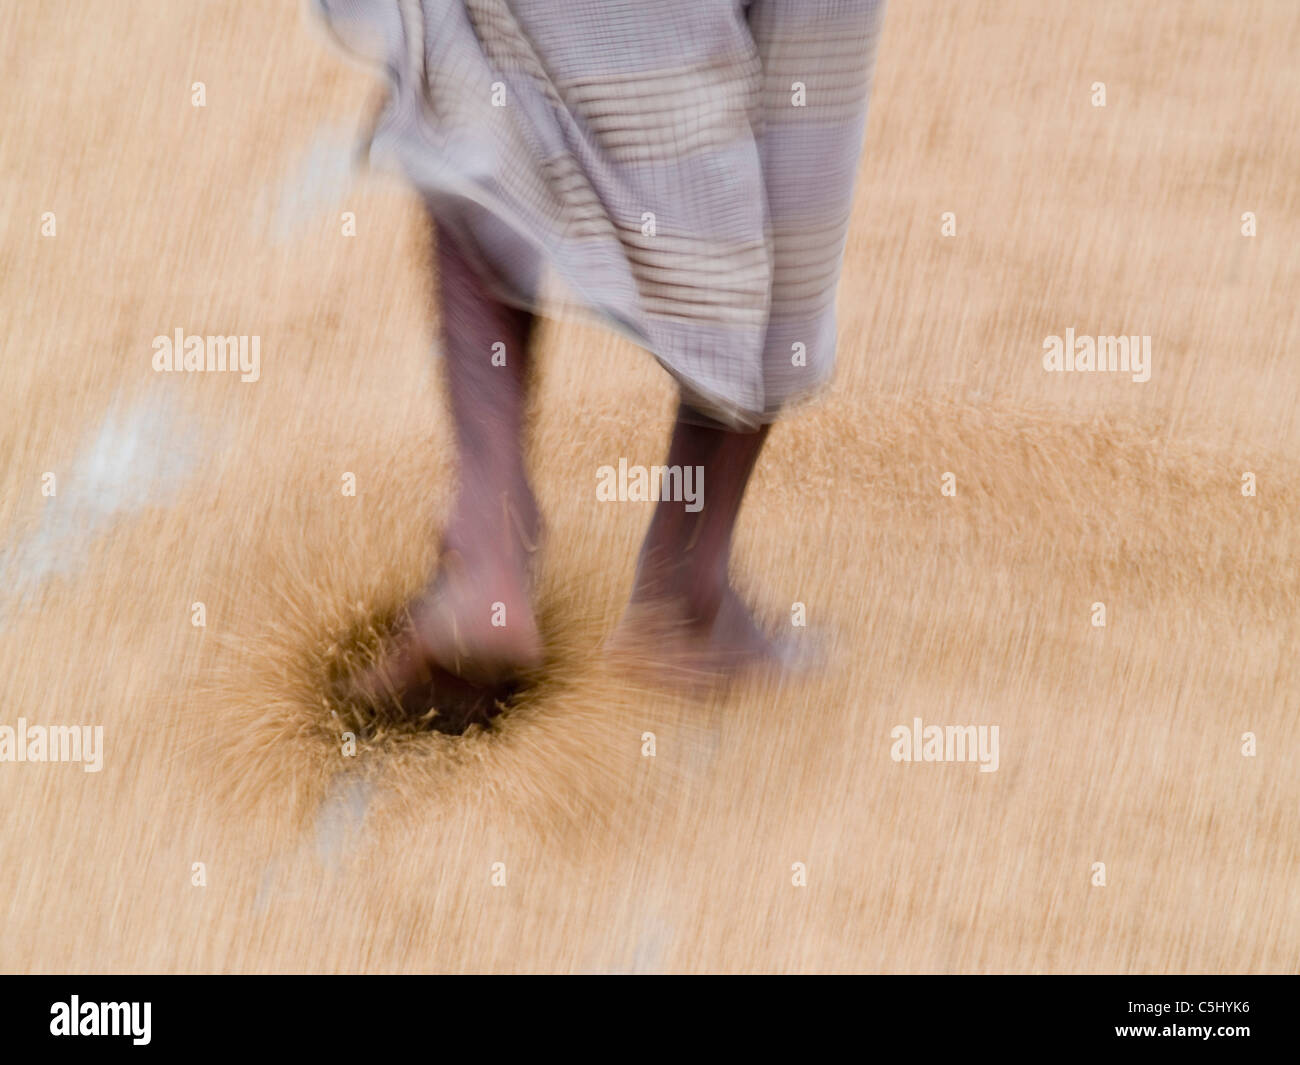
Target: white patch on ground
320	179
339	824
341	816
139	457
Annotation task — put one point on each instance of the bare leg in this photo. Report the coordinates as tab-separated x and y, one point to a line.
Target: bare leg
682	572
494	526
472	630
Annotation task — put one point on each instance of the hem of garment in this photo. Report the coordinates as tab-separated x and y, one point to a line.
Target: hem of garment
449	187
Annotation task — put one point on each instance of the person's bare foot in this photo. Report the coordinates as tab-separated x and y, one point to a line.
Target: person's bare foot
469	639
476	621
690	629
684	618
430	696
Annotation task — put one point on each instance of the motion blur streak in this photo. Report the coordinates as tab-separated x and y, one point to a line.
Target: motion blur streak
1119	745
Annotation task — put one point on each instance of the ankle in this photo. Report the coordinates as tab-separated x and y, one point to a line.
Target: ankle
494	526
696	585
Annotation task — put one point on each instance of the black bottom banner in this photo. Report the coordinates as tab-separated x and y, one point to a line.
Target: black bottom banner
1227	1015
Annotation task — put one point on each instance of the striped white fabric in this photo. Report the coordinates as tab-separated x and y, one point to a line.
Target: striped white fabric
684	167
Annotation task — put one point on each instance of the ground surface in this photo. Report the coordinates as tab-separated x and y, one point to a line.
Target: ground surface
1120	745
